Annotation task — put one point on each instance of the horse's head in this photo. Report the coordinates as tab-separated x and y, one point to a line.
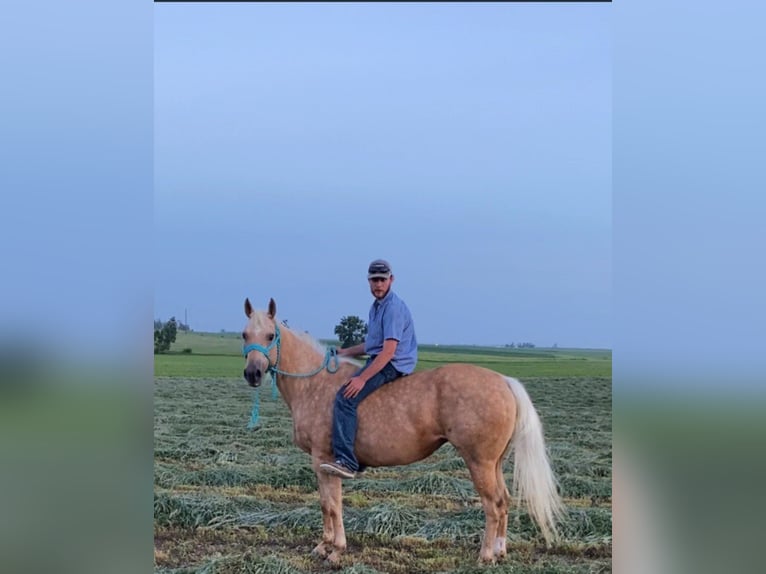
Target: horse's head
261	341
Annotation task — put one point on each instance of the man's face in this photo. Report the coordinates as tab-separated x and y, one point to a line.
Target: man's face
379	286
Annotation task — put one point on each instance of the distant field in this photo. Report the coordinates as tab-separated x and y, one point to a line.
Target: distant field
220	356
232	500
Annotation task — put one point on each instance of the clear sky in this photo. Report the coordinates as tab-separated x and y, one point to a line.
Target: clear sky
470	145
451	115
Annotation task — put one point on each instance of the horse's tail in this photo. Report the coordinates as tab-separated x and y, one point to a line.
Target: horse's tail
533	479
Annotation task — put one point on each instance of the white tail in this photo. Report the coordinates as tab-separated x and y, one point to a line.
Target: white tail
533	479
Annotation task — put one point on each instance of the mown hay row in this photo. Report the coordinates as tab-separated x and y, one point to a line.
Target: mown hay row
387	520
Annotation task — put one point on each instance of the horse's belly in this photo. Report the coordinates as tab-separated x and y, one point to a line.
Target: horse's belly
395	447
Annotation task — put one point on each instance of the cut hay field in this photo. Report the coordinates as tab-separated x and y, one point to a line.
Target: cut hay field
228	499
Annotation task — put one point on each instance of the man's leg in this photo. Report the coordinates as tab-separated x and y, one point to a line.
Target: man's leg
345	419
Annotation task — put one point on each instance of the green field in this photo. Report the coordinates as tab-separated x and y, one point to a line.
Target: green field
232	500
220	355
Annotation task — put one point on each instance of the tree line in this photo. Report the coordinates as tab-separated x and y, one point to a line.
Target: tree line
351	331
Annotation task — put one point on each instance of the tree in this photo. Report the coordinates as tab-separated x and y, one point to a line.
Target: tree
351	331
164	335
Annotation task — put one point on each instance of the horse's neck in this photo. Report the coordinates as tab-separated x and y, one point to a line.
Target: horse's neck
297	357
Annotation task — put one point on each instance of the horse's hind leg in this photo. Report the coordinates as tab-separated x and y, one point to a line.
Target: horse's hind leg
504	497
484	475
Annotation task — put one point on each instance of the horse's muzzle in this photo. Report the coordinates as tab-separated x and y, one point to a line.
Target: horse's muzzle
252	375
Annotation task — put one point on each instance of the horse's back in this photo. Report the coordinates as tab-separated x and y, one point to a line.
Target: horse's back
409	418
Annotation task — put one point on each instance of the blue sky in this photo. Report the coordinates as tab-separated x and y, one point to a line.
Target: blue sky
470	145
689	208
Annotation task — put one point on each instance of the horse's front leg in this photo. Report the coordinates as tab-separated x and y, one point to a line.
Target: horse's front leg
333	542
323	549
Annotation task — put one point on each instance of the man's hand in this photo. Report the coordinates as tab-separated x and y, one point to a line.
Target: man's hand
353	386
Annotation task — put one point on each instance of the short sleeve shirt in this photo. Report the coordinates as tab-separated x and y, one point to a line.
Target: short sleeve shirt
391	319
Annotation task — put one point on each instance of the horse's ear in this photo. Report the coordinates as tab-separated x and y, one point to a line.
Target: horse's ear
248	308
272	309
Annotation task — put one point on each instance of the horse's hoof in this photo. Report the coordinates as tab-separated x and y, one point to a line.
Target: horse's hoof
500	549
484	561
333	560
319	551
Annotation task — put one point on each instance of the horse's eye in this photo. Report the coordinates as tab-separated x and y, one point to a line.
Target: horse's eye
270	336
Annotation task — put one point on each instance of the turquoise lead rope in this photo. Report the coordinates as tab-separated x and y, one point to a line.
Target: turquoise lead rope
331	362
256	412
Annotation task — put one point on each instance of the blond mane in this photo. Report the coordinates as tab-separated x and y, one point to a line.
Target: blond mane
309	340
319	347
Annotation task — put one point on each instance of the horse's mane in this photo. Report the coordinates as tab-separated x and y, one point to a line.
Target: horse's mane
307	338
313	343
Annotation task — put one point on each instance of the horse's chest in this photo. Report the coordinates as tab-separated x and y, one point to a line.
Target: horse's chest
305	435
301	436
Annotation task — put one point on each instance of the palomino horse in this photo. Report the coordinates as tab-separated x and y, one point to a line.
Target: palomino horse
482	413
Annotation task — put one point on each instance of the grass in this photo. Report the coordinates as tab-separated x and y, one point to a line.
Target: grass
232	500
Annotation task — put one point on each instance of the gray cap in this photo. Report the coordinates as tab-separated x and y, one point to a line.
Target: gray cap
379	268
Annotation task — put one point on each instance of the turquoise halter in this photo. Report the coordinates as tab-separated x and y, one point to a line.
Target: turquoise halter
331	362
265	350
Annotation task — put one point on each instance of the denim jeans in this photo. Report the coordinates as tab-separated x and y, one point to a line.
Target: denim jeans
344	414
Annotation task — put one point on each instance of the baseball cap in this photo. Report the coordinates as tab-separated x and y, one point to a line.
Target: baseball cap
379	268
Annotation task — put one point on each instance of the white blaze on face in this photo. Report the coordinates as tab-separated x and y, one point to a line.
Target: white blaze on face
258	328
258	325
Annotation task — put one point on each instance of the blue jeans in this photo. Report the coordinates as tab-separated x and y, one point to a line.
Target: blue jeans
344	414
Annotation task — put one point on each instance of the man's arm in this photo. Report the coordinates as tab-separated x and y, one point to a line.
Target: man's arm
355	384
354	351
